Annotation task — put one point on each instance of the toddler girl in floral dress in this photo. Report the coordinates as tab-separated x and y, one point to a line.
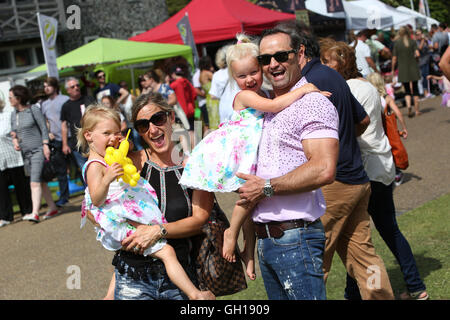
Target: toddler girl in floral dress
233	147
112	202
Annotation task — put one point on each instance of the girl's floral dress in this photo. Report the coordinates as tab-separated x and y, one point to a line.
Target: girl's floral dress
232	148
139	204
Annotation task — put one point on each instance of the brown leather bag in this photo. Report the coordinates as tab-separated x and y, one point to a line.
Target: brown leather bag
213	271
398	149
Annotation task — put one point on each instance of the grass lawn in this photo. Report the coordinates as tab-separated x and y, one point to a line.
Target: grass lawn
427	230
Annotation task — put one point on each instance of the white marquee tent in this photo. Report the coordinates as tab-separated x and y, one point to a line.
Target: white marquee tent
371	14
427	20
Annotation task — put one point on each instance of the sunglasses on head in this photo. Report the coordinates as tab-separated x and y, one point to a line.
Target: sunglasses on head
280	56
158	119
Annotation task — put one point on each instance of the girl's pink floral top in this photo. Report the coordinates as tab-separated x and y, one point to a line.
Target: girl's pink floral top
123	203
232	148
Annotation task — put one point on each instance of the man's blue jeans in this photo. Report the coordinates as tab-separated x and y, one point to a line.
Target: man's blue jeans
291	266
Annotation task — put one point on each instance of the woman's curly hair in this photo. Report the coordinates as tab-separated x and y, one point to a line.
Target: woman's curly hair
343	54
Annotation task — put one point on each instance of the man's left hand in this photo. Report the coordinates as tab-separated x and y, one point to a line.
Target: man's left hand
252	191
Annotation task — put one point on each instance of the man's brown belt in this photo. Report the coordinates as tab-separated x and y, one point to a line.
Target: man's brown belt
276	229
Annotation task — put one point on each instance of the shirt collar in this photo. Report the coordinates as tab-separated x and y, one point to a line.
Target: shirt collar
309	66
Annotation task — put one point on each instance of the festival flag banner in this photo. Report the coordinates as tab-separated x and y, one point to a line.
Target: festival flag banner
184	27
422	8
48	29
334	6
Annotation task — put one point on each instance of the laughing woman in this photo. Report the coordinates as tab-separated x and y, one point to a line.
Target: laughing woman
184	209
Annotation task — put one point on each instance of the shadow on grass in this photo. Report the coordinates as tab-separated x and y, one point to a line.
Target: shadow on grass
425	264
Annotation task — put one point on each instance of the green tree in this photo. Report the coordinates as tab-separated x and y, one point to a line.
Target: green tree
438	10
173	6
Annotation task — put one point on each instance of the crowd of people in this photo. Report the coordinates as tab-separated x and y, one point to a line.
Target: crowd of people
309	158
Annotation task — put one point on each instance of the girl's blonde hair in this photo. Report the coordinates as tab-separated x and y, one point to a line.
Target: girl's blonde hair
243	48
221	57
91	117
378	82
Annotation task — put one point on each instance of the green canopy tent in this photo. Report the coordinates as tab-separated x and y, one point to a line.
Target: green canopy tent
111	55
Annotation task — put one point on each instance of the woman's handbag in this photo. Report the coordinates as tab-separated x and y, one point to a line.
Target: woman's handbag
213	271
398	149
48	171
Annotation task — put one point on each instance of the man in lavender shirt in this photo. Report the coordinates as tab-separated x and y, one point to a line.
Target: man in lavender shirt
297	155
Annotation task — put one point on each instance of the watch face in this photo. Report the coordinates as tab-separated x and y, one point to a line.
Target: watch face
268	191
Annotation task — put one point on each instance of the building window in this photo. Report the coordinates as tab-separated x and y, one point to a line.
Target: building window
22	57
5	62
39	55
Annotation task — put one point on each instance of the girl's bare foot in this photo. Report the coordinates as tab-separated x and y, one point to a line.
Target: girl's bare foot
229	246
249	262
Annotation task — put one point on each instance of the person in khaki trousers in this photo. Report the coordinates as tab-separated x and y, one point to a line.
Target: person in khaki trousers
347	229
346	220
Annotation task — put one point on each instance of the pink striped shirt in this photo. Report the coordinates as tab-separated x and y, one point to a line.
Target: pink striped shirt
281	151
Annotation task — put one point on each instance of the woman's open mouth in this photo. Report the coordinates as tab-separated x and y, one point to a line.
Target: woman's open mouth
158	141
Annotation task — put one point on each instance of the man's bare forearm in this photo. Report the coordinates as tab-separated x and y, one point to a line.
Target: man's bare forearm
320	170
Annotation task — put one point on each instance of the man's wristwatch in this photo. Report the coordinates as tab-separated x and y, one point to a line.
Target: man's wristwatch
162	231
268	190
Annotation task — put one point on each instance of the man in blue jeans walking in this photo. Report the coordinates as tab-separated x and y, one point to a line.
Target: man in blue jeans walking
297	155
71	113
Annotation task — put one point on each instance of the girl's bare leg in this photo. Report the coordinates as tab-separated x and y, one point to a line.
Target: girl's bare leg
231	235
112	286
248	253
179	277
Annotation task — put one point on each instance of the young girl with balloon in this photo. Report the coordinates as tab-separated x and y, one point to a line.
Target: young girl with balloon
115	194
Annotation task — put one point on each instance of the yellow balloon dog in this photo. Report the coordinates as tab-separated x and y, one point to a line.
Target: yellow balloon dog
130	174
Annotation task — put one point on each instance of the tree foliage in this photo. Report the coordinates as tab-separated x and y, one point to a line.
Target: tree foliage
173	6
438	9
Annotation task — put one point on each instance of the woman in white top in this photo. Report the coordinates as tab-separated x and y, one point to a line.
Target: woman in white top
379	165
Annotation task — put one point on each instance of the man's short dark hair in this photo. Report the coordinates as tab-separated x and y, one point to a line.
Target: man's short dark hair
434	26
443	25
364	32
52	82
99	71
205	63
300	34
